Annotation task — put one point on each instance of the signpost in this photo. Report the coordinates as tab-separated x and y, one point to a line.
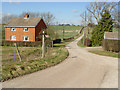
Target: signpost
43	44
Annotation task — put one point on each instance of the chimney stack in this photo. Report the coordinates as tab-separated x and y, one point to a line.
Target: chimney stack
26	16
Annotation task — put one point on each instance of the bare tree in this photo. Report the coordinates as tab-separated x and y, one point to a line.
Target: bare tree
6	18
97	8
88	17
47	16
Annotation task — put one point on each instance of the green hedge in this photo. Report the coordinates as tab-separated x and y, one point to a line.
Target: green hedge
23	43
111	45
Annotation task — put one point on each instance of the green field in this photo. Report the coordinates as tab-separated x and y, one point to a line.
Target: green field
69	31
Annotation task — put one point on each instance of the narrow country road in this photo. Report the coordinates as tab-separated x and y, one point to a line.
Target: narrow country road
80	70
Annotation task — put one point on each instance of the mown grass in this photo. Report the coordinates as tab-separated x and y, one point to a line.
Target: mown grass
105	53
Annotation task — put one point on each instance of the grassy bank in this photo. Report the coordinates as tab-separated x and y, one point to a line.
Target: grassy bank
80	43
12	69
105	53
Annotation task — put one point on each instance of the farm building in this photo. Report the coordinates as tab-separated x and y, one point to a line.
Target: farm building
24	28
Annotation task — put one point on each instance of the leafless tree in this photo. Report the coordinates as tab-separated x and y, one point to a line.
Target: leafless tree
47	16
97	8
6	18
88	17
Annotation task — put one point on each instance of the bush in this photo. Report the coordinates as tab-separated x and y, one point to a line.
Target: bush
111	45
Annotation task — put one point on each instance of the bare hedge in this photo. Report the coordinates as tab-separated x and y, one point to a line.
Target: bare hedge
111	45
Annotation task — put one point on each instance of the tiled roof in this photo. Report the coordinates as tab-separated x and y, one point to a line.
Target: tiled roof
21	22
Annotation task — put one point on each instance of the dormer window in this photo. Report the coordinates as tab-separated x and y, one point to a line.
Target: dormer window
13	29
25	29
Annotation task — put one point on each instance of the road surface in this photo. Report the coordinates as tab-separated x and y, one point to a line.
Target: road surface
80	70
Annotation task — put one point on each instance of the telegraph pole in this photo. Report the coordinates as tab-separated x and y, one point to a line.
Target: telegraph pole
43	44
63	33
84	30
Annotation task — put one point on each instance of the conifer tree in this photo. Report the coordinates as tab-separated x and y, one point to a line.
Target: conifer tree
104	25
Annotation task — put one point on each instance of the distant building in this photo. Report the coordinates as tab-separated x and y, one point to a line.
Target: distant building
112	35
24	28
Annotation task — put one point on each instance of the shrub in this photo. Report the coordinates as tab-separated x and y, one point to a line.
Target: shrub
111	45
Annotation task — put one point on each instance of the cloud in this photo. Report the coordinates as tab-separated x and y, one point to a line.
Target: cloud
74	10
14	2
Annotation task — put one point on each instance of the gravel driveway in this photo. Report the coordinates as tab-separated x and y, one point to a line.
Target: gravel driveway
80	70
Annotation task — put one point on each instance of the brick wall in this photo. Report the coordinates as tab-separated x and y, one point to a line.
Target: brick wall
19	34
41	25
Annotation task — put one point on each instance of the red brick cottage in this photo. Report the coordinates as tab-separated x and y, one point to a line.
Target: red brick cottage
24	28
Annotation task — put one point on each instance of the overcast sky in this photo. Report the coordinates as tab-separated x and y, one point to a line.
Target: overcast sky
65	12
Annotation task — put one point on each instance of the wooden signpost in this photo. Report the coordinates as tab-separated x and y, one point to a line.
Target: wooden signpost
43	44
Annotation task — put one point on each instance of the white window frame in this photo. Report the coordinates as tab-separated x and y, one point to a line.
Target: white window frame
13	29
11	38
24	38
24	29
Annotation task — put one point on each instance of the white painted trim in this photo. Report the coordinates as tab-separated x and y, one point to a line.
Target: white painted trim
13	39
25	36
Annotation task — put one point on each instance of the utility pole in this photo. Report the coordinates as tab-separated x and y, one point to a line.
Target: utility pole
63	33
43	44
84	30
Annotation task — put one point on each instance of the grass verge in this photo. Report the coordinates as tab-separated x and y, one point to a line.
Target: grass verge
105	53
80	43
54	56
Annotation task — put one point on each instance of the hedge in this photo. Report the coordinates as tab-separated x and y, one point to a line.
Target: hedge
23	43
66	39
111	45
57	41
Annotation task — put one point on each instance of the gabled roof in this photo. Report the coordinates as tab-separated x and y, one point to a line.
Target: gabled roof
21	22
